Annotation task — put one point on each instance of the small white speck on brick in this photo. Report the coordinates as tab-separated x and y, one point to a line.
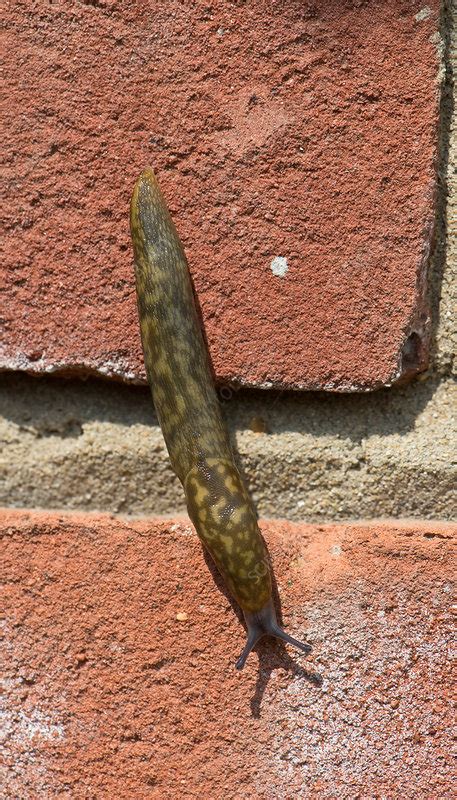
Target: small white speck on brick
279	266
424	13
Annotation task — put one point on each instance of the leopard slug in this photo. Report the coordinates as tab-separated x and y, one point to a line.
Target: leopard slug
179	374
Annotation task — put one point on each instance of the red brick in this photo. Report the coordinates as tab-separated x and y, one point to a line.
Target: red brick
304	131
109	694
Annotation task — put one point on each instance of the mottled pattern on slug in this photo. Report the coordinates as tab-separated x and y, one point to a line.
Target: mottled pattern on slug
175	353
180	377
222	513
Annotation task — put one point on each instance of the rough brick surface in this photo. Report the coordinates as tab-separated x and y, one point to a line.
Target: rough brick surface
281	132
110	694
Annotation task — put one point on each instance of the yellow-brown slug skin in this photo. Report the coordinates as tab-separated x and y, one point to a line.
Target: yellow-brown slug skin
179	374
175	354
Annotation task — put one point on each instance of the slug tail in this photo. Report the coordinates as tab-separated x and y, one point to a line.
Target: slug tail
264	623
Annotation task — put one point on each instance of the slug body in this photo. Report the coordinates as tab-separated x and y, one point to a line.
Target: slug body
179	374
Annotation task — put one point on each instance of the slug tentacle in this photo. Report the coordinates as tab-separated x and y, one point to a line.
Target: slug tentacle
179	374
264	623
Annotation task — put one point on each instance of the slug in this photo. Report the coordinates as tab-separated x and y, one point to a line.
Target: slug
179	374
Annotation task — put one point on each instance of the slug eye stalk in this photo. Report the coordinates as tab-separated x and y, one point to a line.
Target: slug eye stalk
264	623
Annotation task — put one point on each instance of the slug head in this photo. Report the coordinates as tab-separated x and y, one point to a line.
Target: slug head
264	623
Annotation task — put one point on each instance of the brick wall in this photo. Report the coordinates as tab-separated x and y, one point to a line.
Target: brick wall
307	153
281	135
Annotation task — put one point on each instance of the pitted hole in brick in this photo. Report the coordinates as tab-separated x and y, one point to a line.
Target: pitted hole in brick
412	355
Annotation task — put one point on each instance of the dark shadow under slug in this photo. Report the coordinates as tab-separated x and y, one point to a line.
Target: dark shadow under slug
179	374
